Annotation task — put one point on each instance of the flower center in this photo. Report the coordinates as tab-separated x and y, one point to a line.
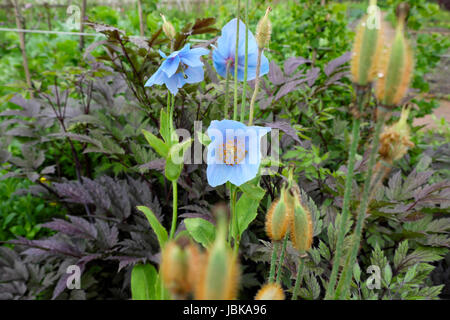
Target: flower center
232	152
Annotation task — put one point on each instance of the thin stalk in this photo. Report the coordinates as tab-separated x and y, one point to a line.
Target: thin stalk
299	279
141	18
244	89
83	14
343	287
273	261
255	92
227	91
280	263
346	204
236	62
233	193
174	210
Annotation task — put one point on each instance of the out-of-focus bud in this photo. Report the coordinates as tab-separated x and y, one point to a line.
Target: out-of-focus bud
270	291
278	217
367	47
264	30
301	224
395	139
168	28
173	269
395	68
220	275
196	260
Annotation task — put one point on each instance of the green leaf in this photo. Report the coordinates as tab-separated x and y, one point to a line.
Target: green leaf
247	210
160	147
387	274
201	230
143	282
203	138
160	231
253	190
357	272
164	129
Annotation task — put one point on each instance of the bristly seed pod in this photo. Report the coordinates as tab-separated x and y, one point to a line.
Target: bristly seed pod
367	47
173	269
301	225
278	217
395	69
220	274
270	291
395	140
168	28
264	30
196	260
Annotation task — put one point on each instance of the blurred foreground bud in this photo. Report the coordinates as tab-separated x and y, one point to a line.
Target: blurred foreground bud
264	30
367	47
270	291
168	28
301	224
278	217
395	69
395	140
220	275
173	269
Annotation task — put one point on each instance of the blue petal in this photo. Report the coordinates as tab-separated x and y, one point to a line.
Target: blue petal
158	77
192	58
162	54
194	75
170	65
242	173
217	174
174	83
223	125
220	63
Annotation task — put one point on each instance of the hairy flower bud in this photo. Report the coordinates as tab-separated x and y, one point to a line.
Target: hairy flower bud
168	28
278	217
367	47
395	140
301	225
270	291
173	268
264	30
395	70
220	275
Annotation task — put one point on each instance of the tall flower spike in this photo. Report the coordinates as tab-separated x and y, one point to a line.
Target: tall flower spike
270	291
224	53
278	217
396	67
367	47
220	275
264	30
395	140
301	224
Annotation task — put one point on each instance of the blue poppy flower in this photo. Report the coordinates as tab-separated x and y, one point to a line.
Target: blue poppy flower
234	152
226	50
180	67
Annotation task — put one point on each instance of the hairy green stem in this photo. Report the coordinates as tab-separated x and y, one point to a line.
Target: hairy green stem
236	62
273	261
244	88
255	92
174	210
227	92
343	288
346	203
299	279
280	262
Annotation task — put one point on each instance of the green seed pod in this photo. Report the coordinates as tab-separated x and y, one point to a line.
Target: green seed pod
264	30
220	276
395	70
301	225
278	217
168	28
367	47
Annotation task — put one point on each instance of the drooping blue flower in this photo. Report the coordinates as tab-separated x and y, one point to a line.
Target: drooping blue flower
180	67
226	50
234	153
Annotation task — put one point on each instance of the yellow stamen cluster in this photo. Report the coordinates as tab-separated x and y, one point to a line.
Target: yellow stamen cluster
232	152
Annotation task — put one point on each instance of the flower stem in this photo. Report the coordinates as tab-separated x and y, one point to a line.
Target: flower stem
244	89
343	287
235	112
255	92
299	279
235	220
227	91
346	203
273	261
280	263
174	211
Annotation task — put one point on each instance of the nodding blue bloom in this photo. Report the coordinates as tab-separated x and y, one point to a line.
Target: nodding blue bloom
180	67
226	51
234	152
